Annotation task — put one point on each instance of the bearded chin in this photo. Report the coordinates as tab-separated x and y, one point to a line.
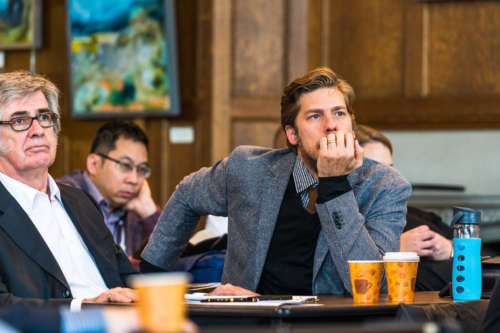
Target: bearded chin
310	162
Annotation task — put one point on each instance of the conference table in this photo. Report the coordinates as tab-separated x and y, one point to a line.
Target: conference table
336	314
327	310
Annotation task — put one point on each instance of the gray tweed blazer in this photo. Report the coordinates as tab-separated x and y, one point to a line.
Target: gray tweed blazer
248	187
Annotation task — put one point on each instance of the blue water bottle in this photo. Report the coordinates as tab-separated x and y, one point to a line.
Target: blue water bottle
466	273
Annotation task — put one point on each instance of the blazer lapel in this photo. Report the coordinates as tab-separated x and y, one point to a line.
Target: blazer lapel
274	186
92	235
23	232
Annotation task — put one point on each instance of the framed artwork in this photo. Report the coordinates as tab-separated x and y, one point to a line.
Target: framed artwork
122	58
20	24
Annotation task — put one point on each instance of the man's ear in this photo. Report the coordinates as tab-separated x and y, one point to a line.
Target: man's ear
291	134
93	162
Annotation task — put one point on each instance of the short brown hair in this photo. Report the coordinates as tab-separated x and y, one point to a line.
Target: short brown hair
366	134
321	77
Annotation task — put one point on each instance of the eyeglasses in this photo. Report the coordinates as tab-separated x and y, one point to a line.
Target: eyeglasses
128	167
45	118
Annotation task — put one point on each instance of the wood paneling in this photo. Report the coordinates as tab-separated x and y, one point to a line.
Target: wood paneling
464	54
270	43
316	52
259	133
366	45
221	84
297	40
252	108
452	112
415	30
258	47
203	72
417	65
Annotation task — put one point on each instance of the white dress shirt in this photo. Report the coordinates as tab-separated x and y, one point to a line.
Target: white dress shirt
59	233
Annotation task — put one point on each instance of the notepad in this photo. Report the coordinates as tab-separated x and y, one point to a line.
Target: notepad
203	298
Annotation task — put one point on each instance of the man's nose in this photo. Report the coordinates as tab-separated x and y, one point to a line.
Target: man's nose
330	123
35	128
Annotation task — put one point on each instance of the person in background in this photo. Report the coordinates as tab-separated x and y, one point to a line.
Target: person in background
117	169
295	215
425	232
54	246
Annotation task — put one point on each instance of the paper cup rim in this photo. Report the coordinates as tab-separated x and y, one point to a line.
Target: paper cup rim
159	279
401	256
365	261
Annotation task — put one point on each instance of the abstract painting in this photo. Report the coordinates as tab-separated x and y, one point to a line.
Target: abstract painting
122	58
20	24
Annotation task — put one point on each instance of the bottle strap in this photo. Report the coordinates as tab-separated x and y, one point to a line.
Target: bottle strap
456	218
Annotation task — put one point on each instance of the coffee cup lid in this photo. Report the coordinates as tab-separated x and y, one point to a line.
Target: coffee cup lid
401	256
158	279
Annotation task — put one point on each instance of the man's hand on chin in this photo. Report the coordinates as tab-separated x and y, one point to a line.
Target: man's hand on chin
339	155
115	295
143	204
230	290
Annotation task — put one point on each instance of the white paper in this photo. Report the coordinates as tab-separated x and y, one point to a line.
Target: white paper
196	298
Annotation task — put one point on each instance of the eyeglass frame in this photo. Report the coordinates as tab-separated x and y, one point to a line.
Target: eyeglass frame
133	166
41	112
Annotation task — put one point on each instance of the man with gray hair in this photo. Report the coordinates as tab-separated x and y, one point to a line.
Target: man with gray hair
54	246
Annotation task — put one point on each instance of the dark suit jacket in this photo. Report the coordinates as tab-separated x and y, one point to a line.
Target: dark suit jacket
491	323
29	271
431	275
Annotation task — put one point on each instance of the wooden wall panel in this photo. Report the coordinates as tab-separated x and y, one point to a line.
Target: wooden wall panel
316	50
258	133
464	48
258	47
221	83
415	69
297	40
366	45
413	65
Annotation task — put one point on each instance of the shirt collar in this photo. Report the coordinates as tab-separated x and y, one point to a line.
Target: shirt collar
55	193
25	195
93	191
302	177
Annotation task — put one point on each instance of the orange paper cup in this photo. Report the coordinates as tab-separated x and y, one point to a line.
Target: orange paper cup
365	280
161	300
401	273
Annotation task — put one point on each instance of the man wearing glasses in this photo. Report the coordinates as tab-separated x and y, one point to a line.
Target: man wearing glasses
54	247
117	168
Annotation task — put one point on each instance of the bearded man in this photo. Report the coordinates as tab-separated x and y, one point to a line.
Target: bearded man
296	215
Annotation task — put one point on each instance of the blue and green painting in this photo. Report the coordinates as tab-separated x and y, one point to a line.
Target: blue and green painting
118	56
16	23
